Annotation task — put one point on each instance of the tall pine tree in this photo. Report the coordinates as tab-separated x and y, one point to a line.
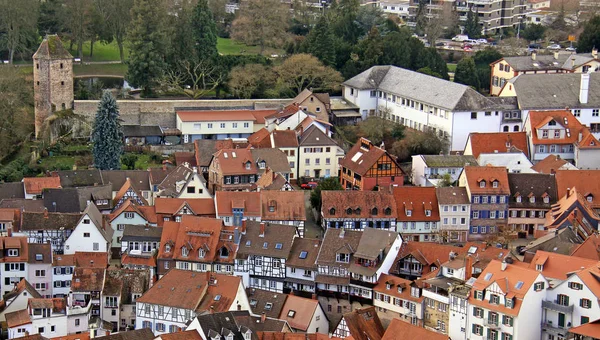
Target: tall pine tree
205	31
147	40
321	42
472	28
466	73
107	136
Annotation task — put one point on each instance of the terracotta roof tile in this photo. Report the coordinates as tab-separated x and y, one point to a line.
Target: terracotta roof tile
399	329
304	253
298	312
59	260
419	200
178	288
366	201
589	249
205	148
15	242
185	157
88	259
362	156
558	266
539	119
394	282
132	260
260	139
590	329
80	336
17	318
35	185
585	181
197	233
198	206
282	206
489	174
126	187
226	200
364	324
233	161
285	139
498	142
88	279
185	335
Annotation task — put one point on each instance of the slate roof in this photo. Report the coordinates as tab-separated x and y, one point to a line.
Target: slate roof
182	173
171	206
74	200
274	159
141	233
544	62
141	130
526	185
252	243
447	161
52	48
421	87
12	190
80	178
452	195
313	136
554	91
300	245
21	203
53	221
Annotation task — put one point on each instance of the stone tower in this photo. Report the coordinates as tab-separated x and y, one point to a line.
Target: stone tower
52	80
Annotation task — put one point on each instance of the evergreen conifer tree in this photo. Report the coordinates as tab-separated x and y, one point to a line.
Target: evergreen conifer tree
466	73
472	28
321	42
205	31
107	136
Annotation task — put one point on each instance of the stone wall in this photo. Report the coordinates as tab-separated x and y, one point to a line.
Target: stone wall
162	112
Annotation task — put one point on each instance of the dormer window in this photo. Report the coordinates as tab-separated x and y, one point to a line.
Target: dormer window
201	253
427	212
519	199
482	184
374	211
248	335
331	211
532	199
167	248
414	291
539	267
546	199
399	289
272	205
262	164
224	252
184	252
388	286
409	213
349	211
341	257
508	302
495	184
589	198
248	165
387	211
357	211
13	252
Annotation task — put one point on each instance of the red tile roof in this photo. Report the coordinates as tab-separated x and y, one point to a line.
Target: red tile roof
303	311
539	119
185	157
138	260
185	335
257	116
197	233
17	318
549	165
418	200
233	161
489	174
591	330
360	159
589	249
171	206
558	266
260	139
126	186
366	201
394	283
285	139
402	330
225	201
585	181
282	205
498	142
35	185
364	324
88	259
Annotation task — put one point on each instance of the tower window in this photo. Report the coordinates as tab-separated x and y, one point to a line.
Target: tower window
38	83
62	83
64	107
37	66
61	65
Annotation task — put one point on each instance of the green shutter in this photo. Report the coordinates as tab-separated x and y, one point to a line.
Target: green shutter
473	329
474	311
510	322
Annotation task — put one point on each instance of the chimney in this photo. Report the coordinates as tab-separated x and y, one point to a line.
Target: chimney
236	235
263	317
342	233
555	54
595	53
45	212
239	307
212	309
584	88
503	267
468	267
568	192
572	62
580	137
533	55
262	229
314	296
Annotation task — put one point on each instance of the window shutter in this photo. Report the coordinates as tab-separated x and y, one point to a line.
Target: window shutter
6	267
510	322
474	329
156	326
504	319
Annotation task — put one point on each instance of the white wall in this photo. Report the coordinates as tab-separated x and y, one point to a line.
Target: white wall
19	331
78	242
114	224
200	189
319	322
46	278
58	322
322	157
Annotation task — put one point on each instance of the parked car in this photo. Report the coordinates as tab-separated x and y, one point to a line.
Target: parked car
460	38
554	47
467	49
482	41
472	42
309	185
571	49
467	45
440	43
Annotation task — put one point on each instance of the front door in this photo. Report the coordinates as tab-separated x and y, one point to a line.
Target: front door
561	320
317	173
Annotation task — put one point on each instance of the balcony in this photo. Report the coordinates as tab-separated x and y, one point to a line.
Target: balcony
555	306
556	330
492	324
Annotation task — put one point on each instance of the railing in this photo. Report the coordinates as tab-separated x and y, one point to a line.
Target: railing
493	324
78	309
556	306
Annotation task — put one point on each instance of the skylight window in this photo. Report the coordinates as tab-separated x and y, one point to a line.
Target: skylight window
265	245
291	313
303	254
472	250
248	243
488	276
218	297
268	306
519	285
278	245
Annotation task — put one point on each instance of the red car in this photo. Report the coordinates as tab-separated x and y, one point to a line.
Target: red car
309	185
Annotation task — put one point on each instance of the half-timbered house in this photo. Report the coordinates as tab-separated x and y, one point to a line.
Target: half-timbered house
360	324
284	207
90	234
262	254
181	295
128	192
48	227
301	266
139	183
63	267
399	298
358	210
375	255
367	166
333	262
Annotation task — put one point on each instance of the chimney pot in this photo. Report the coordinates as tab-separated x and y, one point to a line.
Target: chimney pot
263	317
45	212
533	55
262	229
584	88
503	267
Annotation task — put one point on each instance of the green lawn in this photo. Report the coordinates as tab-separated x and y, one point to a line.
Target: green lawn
102	51
230	46
99	69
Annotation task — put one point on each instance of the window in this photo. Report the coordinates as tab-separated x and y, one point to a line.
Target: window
222	125
86	234
495	299
291	313
473	115
479	295
475	214
562	300
307	161
585	303
40	273
595	112
507	320
340	257
538	286
129	215
477	329
482	184
575	285
96	246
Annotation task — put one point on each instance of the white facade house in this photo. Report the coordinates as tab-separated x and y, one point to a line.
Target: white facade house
318	154
220	124
48	317
18	324
17	298
127	214
514	162
455	213
429	170
400	296
505	303
62	275
89	235
399	8
424	102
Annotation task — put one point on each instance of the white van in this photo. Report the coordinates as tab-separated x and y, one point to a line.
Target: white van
460	38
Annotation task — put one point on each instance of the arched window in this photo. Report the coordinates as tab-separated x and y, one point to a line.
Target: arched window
374	211
331	211
505	129
388	211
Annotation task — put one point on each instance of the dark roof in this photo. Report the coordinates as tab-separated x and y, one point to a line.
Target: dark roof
12	190
182	173
452	195
141	130
44	249
205	148
254	244
244	319
94	193
138	334
536	185
139	178
21	203
335	241
309	249
157	175
53	221
554	91
52	48
259	299
314	136
113	283
80	178
274	159
141	233
62	200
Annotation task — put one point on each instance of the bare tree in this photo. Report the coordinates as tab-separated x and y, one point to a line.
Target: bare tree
193	79
262	23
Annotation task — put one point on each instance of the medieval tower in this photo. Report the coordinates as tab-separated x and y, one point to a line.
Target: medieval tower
52	80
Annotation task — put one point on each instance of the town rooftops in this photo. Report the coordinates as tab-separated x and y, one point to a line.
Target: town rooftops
541	62
36	185
554	91
273	158
299	311
416	204
40	253
590	329
52	48
87	259
141	233
551	164
58	305
364	324
313	136
136	334
338	241
589	249
420	87
564	118
267	239
178	288
48	221
205	148
282	205
284	139
340	204
410	332
11	190
88	279
533	190
448	161
362	156
17	318
14	242
487	179
495	142
586	182
79	178
172	206
304	253
236	161
257	116
452	195
395	286
140	179
264	301
557	266
192	334
22	286
226	201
